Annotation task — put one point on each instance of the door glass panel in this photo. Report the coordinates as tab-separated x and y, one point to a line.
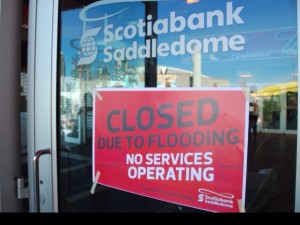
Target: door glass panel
177	44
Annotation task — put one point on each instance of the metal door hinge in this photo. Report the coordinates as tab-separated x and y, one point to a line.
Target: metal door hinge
22	192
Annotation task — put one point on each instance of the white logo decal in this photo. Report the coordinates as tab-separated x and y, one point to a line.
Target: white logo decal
173	23
88	46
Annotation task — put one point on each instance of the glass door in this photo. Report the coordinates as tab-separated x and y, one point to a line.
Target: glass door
77	46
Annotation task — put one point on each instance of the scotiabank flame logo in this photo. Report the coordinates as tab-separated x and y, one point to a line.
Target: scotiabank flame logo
88	46
200	197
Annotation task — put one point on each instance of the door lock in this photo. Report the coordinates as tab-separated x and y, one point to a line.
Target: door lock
22	192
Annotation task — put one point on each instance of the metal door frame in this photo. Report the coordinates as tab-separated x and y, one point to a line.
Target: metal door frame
297	188
42	83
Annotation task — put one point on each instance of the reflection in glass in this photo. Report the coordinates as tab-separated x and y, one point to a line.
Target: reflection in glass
271	112
292	110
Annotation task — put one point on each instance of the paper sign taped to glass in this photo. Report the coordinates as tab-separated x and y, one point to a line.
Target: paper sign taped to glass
183	146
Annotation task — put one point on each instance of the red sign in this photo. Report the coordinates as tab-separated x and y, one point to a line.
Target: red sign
184	146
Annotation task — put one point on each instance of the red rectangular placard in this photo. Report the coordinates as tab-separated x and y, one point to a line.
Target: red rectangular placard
184	146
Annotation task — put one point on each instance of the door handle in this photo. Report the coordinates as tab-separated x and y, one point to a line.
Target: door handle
36	176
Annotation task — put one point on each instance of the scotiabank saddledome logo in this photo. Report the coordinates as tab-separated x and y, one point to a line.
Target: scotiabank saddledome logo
214	198
174	23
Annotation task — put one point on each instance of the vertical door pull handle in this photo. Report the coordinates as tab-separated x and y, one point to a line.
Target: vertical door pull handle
36	176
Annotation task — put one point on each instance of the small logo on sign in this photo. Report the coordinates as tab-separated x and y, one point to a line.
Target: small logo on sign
214	198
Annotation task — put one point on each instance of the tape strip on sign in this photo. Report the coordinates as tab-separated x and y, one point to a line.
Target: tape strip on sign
93	87
95	182
99	96
241	206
